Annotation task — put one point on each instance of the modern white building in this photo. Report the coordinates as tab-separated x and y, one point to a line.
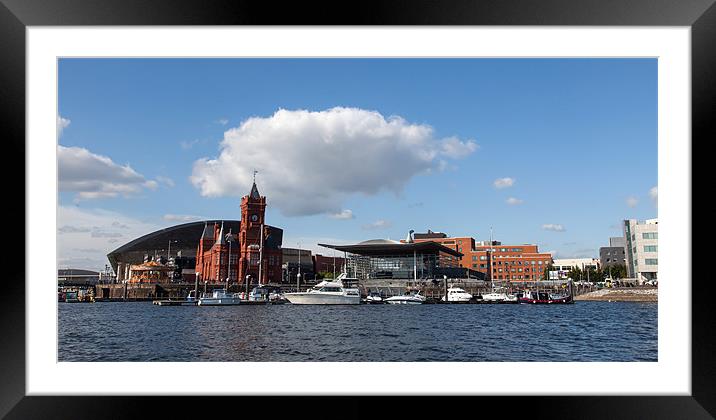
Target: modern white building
562	266
642	248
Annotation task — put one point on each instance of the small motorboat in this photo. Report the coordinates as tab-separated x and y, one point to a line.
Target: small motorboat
374	297
220	297
456	294
414	298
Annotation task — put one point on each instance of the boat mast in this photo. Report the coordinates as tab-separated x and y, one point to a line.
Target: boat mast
489	263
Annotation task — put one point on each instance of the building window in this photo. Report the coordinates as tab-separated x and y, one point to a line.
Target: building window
483	258
649	248
651	261
650	235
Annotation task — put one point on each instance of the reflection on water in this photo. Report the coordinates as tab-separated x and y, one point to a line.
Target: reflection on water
140	331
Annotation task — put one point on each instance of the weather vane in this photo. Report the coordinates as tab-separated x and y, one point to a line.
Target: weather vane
255	172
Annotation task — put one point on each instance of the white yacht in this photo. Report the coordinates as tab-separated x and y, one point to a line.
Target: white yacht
407	299
327	293
220	297
456	294
499	297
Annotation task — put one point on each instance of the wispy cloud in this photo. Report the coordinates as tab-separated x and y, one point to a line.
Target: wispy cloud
514	201
342	215
553	227
62	123
222	121
377	225
165	180
654	195
181	217
188	144
632	201
503	183
95	176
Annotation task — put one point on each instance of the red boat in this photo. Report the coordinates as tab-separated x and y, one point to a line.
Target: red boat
537	297
543	297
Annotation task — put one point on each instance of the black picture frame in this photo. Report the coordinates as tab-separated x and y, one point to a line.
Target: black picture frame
16	15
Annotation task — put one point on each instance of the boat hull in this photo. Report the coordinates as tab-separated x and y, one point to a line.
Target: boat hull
531	301
321	299
226	301
404	301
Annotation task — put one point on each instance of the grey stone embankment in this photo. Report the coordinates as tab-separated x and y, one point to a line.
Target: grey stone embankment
627	294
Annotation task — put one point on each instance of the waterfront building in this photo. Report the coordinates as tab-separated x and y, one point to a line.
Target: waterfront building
641	248
614	254
407	260
77	276
562	266
508	262
329	264
254	250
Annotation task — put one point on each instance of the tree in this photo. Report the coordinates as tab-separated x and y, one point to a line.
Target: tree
618	271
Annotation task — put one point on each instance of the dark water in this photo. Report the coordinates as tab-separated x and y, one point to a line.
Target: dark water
140	331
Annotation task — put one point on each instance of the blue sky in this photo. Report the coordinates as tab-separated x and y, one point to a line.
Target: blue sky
577	137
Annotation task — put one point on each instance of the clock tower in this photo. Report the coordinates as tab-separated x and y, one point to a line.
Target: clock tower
253	208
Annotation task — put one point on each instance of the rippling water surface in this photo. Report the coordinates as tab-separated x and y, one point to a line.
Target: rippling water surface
140	331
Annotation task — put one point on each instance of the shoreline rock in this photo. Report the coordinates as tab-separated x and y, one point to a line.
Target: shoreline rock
621	295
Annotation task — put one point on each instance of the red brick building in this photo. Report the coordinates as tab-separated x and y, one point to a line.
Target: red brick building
509	262
329	264
236	255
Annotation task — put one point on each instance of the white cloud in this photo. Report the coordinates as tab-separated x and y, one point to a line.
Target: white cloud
553	227
503	183
342	215
85	236
181	217
310	162
222	121
514	201
378	224
455	148
186	145
654	194
62	123
165	180
632	201
96	176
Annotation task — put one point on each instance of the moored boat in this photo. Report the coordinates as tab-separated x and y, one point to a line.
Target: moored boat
220	297
327	293
374	297
456	294
406	299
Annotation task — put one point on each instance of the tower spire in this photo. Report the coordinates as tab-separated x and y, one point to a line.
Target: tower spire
254	194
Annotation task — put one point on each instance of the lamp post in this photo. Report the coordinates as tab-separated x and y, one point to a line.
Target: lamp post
228	269
196	286
169	248
248	278
298	276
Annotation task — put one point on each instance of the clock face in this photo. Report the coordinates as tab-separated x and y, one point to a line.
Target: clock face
254	217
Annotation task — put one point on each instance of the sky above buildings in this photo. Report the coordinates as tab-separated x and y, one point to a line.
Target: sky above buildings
548	151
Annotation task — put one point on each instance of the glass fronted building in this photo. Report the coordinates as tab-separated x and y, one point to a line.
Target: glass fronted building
388	259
